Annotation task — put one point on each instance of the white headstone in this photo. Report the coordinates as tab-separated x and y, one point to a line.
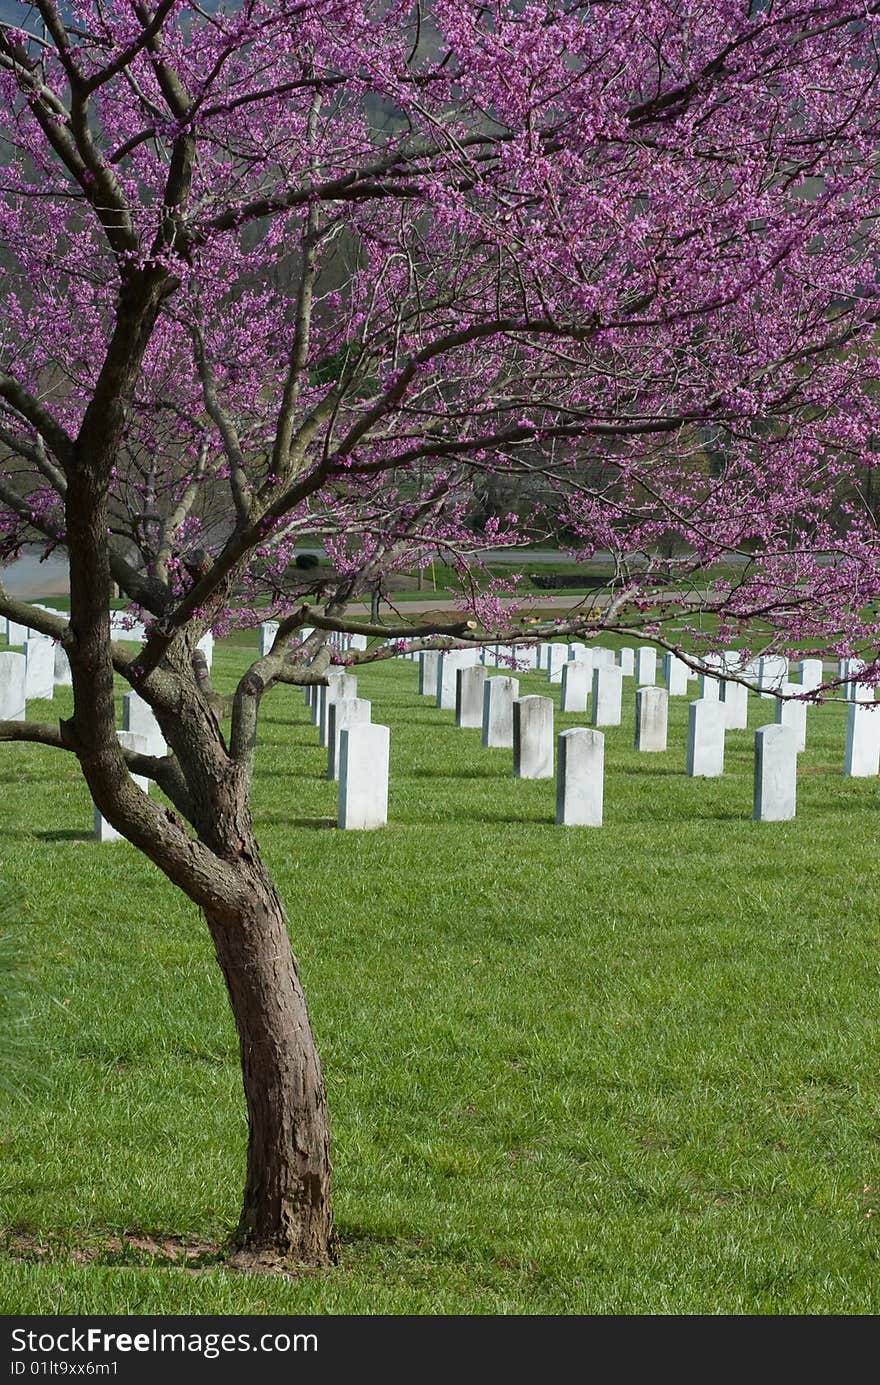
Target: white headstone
340	686
499	695
646	665
268	631
358	642
533	738
811	673
206	645
363	776
469	696
139	719
751	672
772	673
16	634
607	696
848	669
347	712
675	674
12	687
602	657
652	714
125	627
61	673
447	674
861	758
627	661
104	831
705	743
793	714
447	671
575	686
39	668
524	656
859	691
735	701
775	774
579	777
710	688
316	697
557	658
429	663
131	740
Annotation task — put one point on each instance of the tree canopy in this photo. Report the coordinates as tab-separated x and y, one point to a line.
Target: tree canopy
357	272
389	250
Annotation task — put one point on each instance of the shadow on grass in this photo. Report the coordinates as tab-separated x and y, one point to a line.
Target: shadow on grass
478	816
290	723
297	774
308	741
488	773
649	767
276	820
29	834
64	836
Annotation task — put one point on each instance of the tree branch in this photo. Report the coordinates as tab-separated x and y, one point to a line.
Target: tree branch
129	53
30	408
241	491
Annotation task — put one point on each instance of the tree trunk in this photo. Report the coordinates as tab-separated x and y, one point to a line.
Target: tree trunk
286	1215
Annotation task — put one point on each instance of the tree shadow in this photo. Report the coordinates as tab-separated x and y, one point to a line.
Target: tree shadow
319	775
488	773
650	767
298	743
276	820
67	835
478	815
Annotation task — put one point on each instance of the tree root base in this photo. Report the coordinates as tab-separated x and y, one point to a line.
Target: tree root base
271	1259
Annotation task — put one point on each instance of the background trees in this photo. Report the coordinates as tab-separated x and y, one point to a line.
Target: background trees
348	272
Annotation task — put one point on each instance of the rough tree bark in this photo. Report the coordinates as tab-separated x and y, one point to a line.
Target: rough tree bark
286	1210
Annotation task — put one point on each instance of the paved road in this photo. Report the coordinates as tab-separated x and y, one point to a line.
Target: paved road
29	579
32	580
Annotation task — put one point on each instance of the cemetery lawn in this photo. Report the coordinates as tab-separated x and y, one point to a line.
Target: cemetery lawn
627	1070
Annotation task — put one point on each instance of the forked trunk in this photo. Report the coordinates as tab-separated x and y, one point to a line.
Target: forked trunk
286	1213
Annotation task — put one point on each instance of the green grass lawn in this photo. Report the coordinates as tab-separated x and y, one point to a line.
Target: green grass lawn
621	1070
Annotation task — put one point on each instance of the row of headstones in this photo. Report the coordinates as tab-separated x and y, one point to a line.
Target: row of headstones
526	725
765	674
357	749
42	667
122	627
338	640
456	680
581	759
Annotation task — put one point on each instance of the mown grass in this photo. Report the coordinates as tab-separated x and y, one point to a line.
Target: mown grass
624	1070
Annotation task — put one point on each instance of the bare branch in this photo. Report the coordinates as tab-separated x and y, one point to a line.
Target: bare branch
241	491
30	408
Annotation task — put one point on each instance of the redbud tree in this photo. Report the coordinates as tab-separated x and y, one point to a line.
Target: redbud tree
330	270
